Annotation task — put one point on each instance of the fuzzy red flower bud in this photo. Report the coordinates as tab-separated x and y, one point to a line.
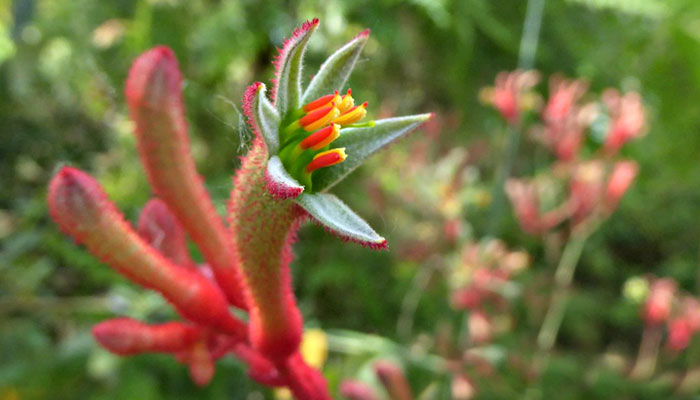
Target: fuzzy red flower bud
621	179
679	334
81	208
657	308
154	95
126	336
627	118
201	364
159	227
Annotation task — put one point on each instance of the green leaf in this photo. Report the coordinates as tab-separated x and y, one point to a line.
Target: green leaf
264	117
335	71
337	217
288	66
360	143
279	183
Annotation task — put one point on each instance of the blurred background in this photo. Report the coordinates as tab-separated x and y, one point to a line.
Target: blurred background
62	68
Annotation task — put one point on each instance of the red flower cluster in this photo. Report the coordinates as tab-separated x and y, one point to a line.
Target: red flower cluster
679	311
596	184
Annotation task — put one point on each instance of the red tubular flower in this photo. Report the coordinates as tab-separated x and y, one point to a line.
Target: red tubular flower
126	336
621	179
563	96
81	209
509	95
657	308
627	118
525	201
393	380
679	334
159	227
153	92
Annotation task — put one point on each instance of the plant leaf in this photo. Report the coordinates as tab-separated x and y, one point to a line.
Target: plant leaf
340	220
334	72
262	115
279	183
286	93
360	143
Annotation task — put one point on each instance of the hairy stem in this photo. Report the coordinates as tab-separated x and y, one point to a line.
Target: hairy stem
263	229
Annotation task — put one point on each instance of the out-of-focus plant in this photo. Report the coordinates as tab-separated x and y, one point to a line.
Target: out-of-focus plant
306	140
579	191
667	312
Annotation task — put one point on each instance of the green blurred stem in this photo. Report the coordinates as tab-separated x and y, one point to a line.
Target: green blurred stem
503	173
526	60
648	353
562	285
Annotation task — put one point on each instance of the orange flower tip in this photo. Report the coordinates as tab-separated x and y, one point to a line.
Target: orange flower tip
315	115
326	159
321	101
321	138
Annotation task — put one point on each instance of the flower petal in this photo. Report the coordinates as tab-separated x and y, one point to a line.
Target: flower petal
340	220
334	72
286	93
279	183
262	115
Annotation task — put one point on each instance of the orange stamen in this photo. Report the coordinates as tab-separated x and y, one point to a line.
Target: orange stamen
326	159
322	101
321	138
319	118
346	103
353	115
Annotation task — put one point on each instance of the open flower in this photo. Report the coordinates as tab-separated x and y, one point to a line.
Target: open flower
314	136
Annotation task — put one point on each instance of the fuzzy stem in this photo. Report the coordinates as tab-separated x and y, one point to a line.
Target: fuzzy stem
263	229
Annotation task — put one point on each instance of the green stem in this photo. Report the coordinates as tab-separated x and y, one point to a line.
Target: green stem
562	285
526	59
502	174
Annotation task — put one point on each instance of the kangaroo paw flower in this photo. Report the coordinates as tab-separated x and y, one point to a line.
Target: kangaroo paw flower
154	95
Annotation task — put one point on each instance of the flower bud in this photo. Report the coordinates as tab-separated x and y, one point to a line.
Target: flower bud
657	308
127	336
159	227
81	208
154	95
621	179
